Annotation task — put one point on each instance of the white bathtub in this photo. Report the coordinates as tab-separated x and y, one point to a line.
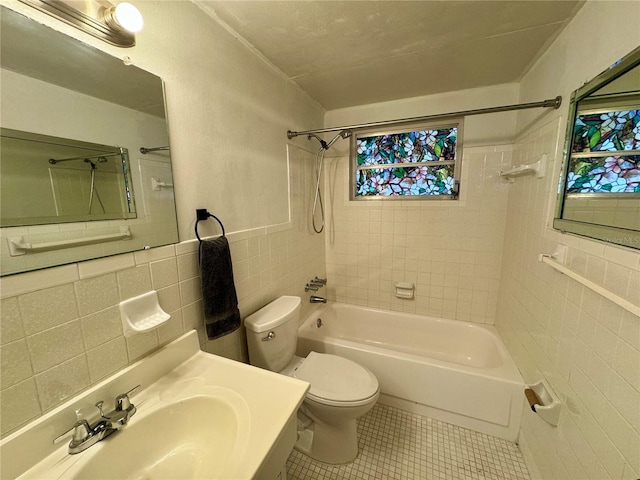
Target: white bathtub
457	372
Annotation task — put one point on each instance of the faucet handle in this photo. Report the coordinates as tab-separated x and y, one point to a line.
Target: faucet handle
322	281
99	405
123	403
311	286
76	429
81	431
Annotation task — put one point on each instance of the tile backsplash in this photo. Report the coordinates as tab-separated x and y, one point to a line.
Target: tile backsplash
61	328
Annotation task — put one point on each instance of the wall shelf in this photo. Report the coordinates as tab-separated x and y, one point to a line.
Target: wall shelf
536	169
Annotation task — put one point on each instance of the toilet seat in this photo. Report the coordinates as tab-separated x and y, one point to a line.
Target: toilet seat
337	381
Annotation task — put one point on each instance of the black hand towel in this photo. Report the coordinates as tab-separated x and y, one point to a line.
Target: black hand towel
219	297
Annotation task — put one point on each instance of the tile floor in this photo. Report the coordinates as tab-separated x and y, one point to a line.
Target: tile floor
395	444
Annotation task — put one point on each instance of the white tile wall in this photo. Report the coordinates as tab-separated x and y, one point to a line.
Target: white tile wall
450	250
584	345
59	338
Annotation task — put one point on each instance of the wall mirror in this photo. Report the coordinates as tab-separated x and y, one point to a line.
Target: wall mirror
85	164
599	191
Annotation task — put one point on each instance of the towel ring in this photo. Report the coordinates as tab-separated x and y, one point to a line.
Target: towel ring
203	214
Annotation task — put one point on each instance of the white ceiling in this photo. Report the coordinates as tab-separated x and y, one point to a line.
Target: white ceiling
346	53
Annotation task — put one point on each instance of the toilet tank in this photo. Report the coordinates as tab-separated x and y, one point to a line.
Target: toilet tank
272	333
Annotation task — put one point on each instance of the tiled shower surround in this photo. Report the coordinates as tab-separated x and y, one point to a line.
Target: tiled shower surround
451	250
61	328
586	347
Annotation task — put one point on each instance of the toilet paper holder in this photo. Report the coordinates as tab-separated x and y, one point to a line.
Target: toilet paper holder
543	401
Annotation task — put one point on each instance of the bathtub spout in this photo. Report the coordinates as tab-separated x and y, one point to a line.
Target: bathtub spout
315	299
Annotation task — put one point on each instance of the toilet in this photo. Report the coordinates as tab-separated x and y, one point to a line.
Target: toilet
341	390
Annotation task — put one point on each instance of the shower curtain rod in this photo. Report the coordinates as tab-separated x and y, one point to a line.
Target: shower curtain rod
549	103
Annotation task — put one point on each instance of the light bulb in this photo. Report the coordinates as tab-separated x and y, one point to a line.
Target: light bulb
128	17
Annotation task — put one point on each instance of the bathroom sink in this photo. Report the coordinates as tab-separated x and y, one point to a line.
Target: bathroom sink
198	416
200	437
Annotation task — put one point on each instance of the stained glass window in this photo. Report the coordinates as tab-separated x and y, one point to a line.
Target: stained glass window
416	163
605	153
610	131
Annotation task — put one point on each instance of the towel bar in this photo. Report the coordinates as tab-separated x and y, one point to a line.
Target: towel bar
203	214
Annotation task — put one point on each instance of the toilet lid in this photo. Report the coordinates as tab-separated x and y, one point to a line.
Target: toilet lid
336	378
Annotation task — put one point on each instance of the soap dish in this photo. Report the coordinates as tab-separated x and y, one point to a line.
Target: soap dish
142	313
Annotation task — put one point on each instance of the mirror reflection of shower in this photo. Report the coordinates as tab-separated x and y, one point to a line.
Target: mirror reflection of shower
93	161
94	190
318	224
49	180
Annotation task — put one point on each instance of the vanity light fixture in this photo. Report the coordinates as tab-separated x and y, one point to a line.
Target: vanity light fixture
114	24
124	16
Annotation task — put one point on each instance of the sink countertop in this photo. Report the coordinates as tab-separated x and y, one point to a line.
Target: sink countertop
176	372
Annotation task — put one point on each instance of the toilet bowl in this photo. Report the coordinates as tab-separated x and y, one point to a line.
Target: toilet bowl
340	390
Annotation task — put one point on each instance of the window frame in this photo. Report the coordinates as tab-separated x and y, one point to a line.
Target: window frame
456	122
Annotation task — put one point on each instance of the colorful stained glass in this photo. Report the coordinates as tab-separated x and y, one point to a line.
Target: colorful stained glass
407	147
614	174
418	180
406	163
606	132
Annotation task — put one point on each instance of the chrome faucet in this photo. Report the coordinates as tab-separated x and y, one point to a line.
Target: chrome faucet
315	284
315	299
85	435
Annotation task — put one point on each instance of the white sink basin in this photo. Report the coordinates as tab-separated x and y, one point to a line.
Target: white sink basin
199	416
200	437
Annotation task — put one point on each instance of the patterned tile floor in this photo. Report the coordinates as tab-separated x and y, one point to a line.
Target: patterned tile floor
394	444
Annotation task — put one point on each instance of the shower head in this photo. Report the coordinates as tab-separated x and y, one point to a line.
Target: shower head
100	160
342	134
322	142
327	146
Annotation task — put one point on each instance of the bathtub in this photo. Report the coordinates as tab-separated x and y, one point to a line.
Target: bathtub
456	372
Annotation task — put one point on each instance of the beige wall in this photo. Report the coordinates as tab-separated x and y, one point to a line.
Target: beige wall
587	348
61	327
584	345
228	114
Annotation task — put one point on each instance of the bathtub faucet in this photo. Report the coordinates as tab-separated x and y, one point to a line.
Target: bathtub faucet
315	284
315	299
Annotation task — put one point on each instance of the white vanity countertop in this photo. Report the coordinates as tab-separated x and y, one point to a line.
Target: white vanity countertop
178	371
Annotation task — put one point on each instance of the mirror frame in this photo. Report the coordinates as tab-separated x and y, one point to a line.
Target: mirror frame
619	236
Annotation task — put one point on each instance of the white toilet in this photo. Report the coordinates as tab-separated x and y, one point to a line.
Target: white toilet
341	390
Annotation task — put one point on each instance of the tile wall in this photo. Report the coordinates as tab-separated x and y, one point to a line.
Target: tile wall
61	328
584	345
450	250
